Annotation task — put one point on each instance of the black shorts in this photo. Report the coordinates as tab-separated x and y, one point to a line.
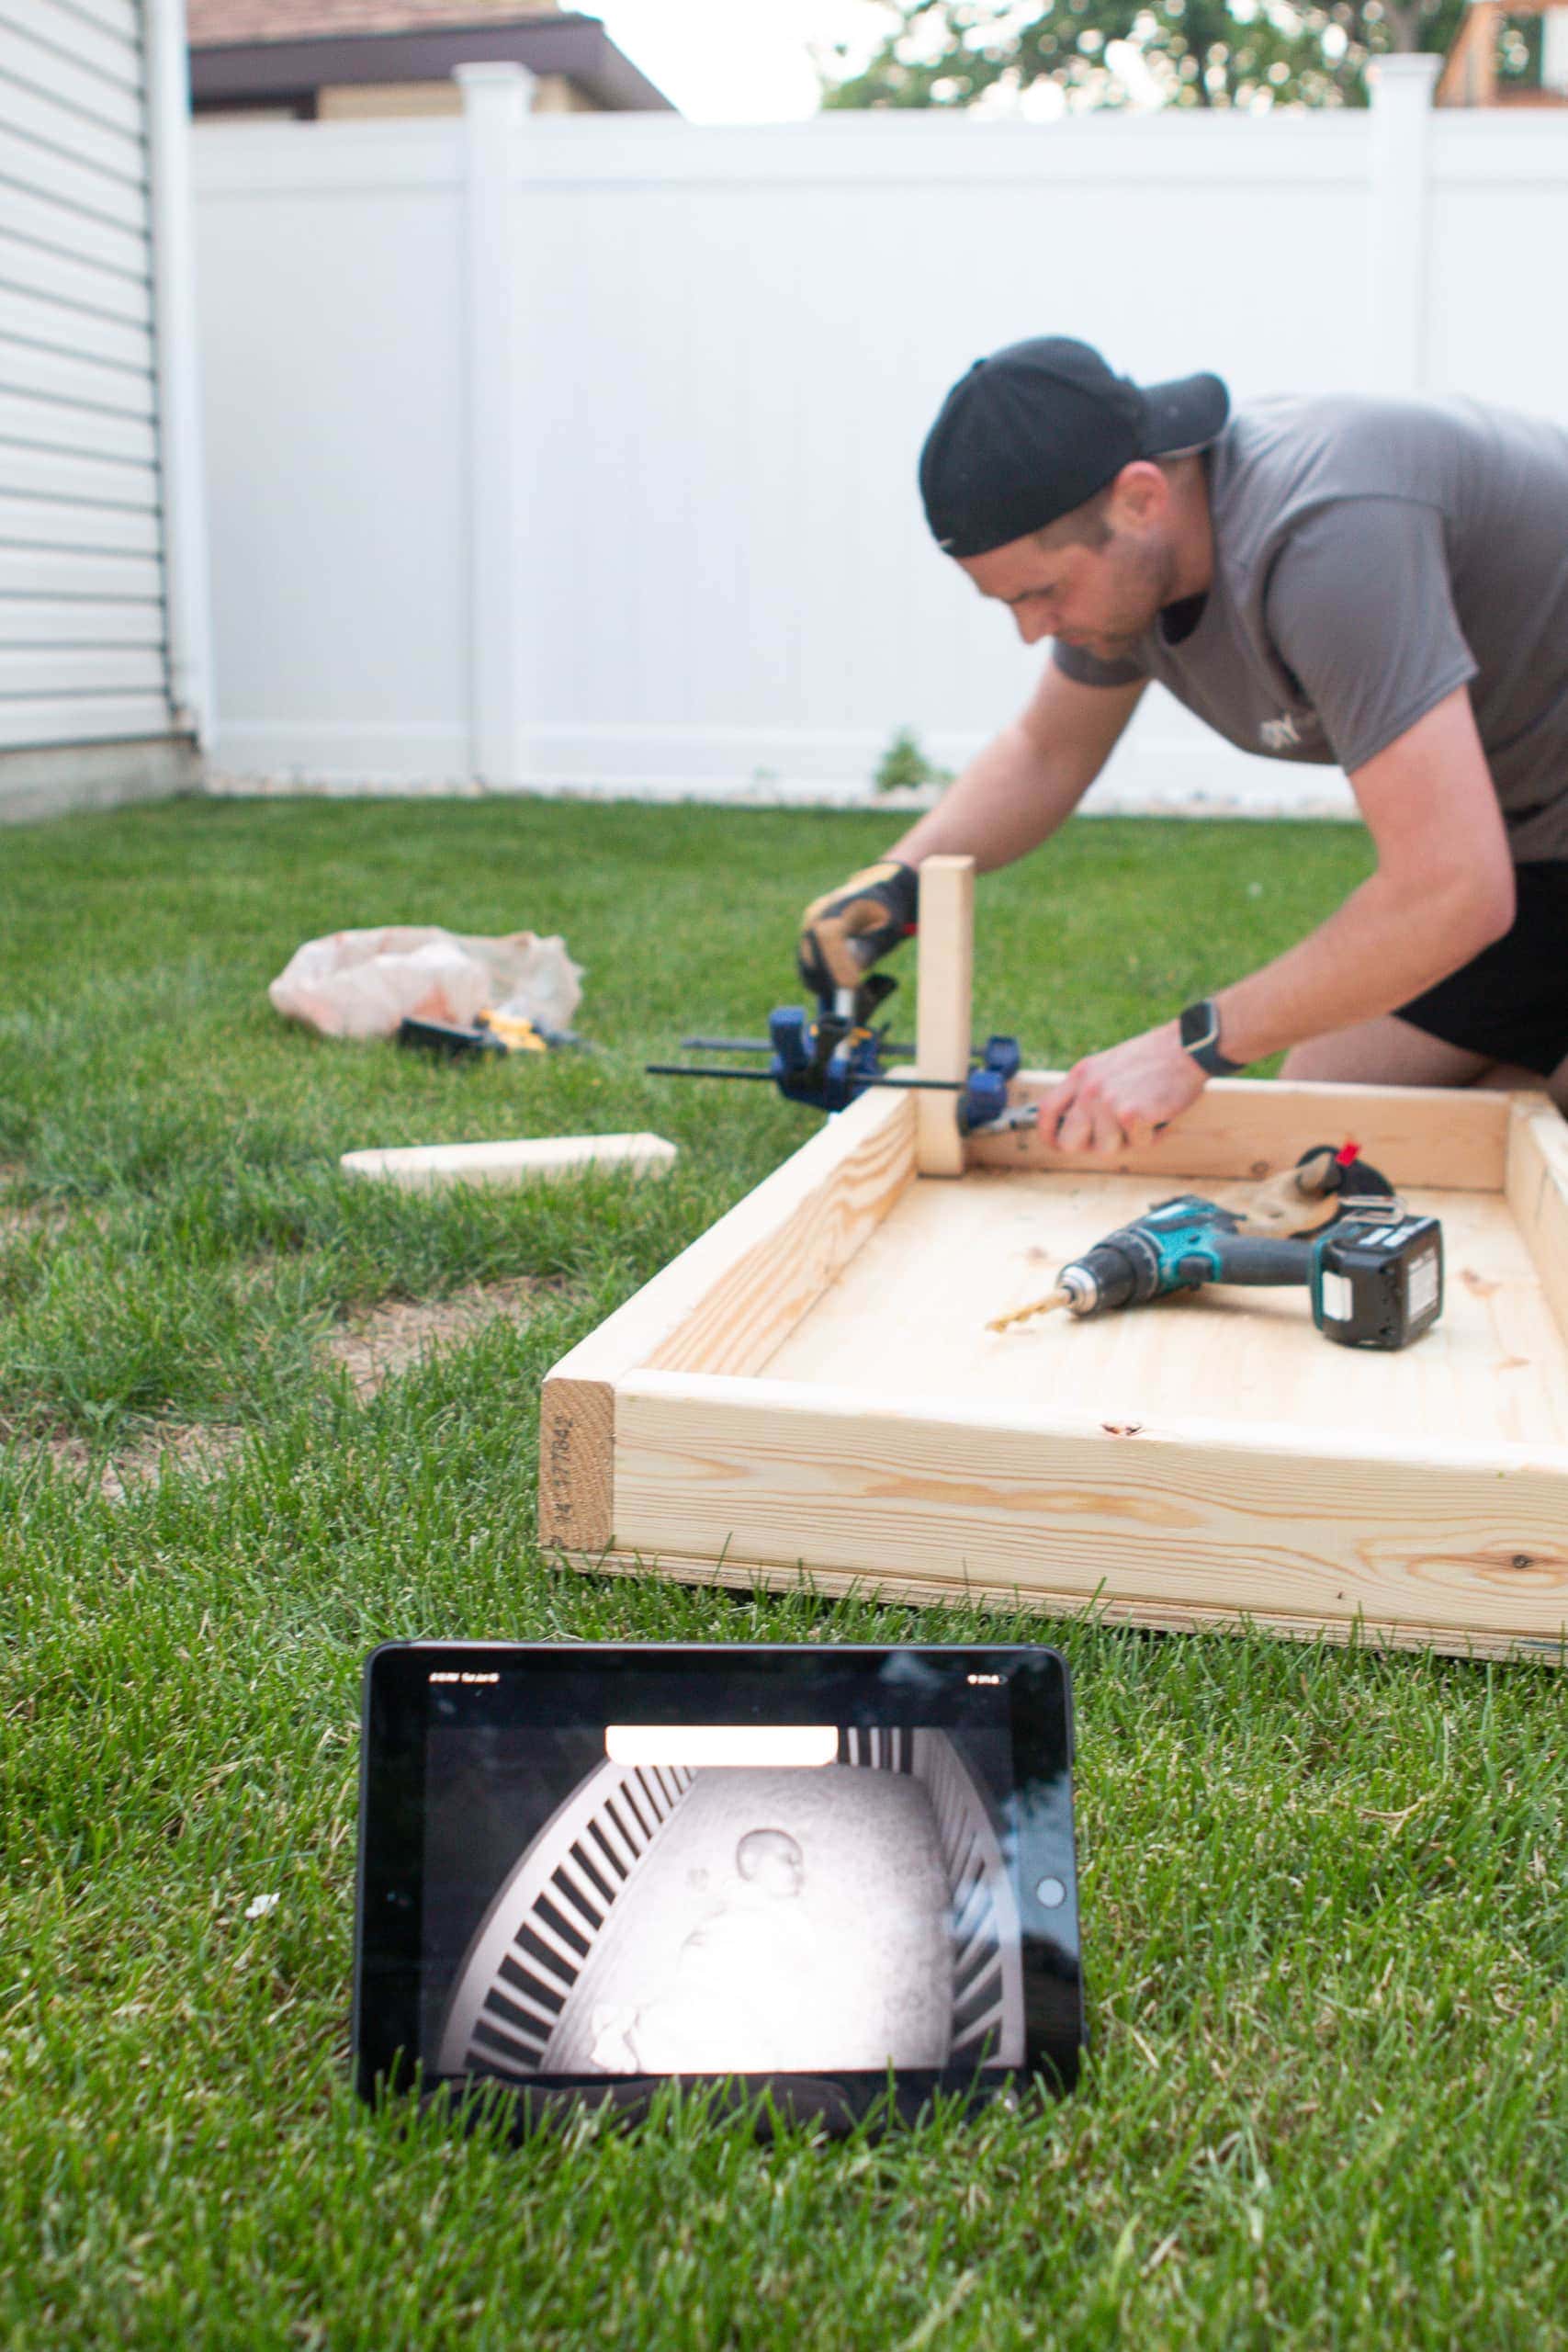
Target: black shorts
1510	1003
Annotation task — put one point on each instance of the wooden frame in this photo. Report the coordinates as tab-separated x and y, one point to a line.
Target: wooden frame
810	1390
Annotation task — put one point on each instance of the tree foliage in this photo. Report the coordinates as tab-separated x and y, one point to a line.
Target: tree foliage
1216	53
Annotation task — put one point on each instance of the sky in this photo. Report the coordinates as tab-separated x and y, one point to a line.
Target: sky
750	60
736	61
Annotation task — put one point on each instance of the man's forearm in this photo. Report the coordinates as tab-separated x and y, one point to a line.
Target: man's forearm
1009	799
1371	955
1374	952
1442	891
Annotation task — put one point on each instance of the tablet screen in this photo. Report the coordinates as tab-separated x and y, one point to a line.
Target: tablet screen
599	1866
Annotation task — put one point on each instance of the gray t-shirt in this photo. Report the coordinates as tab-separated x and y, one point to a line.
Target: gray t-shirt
1371	555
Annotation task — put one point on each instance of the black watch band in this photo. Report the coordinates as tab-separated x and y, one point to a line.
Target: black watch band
1199	1028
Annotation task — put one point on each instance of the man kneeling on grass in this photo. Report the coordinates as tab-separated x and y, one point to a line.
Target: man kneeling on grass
1376	584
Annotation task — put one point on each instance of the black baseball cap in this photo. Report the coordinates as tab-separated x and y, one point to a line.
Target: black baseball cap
1030	433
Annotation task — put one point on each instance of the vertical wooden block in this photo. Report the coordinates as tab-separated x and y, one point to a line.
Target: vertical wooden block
1537	1186
946	986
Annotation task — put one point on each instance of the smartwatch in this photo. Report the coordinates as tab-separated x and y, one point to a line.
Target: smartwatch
1200	1029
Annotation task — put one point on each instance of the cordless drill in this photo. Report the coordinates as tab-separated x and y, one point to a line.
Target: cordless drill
1375	1273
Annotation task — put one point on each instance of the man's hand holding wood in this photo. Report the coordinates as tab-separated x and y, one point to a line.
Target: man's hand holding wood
1118	1099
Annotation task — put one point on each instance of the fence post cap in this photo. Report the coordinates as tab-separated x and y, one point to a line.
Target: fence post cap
1402	69
498	69
483	83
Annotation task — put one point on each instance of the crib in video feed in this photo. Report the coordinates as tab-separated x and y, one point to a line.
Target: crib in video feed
751	1920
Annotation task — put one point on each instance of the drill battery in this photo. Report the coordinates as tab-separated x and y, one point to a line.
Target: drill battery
1377	1283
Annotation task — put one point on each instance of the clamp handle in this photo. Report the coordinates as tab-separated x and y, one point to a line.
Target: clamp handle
984	1094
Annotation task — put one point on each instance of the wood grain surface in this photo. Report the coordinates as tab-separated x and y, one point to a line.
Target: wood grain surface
730	1298
1537	1193
1461	1538
1189	1617
908	1318
1442	1138
943	1007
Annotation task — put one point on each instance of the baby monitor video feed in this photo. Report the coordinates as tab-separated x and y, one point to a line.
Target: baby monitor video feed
624	1864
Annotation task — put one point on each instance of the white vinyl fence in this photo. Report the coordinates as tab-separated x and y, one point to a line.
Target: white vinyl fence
580	450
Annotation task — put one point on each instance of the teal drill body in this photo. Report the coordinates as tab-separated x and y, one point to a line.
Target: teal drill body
1375	1278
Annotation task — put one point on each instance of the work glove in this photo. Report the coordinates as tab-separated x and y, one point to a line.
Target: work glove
854	926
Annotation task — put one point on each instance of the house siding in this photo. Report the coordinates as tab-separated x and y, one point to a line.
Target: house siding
84	655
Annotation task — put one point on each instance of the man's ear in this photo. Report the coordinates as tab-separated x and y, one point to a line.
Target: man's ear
1139	496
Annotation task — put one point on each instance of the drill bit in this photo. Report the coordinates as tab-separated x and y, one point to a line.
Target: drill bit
1060	1296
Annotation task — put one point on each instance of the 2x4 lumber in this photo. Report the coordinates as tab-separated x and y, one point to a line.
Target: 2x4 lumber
726	1302
1434	1138
1537	1193
1184	1617
531	1160
946	974
767	1287
1325	1526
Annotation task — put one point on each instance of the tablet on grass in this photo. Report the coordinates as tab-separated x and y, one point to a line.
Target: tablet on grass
585	1869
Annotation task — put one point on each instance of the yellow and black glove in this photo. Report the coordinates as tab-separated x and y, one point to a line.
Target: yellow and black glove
854	926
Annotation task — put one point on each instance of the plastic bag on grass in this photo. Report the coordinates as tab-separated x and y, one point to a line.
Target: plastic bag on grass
363	983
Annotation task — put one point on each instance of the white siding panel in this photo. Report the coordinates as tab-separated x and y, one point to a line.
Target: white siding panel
60	478
45	172
108	153
120	17
47	573
62	227
77	39
55	326
107	530
102	293
83	620
78	621
126	392
85	432
93	670
78	90
107	719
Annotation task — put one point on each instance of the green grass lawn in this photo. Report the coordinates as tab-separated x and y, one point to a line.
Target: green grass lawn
1324	1892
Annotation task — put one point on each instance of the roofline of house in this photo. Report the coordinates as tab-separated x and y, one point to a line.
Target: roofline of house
282	72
